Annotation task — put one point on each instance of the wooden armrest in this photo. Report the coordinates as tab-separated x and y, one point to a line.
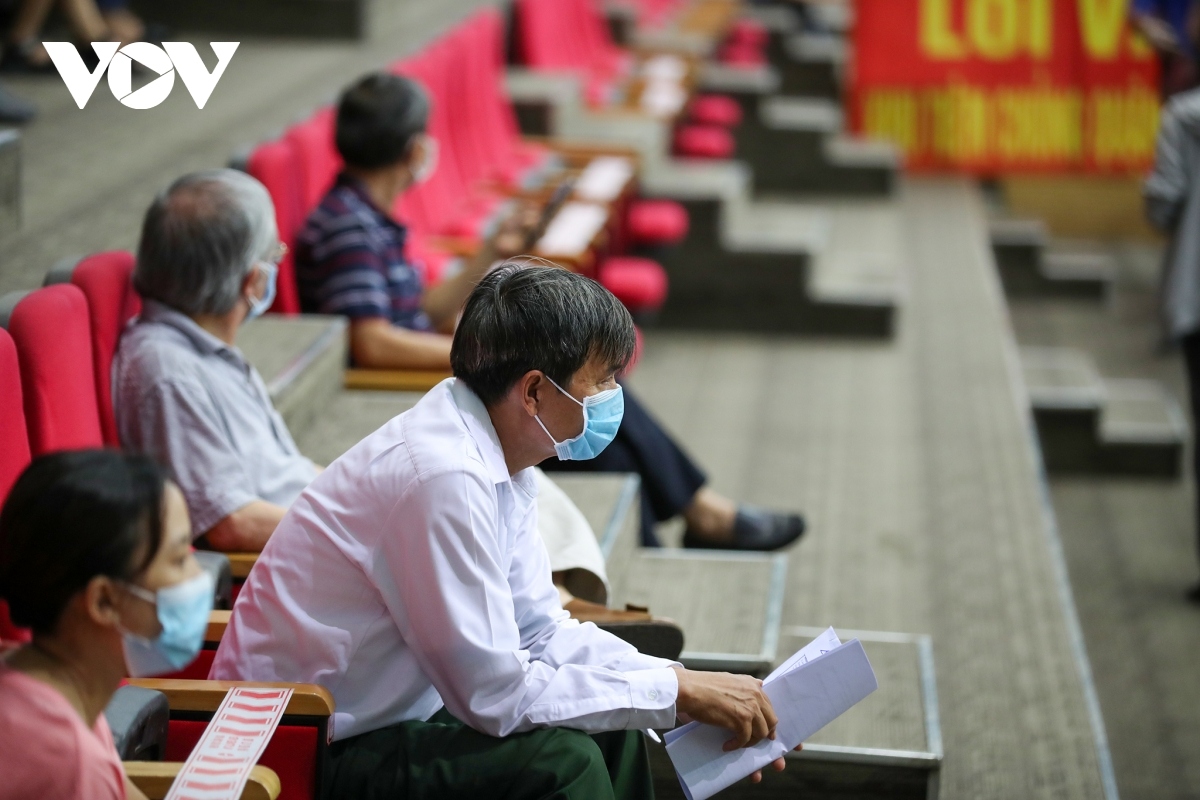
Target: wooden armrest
308	699
394	380
154	779
240	564
217	622
586	151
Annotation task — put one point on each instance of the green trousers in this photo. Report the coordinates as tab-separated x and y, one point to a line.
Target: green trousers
445	759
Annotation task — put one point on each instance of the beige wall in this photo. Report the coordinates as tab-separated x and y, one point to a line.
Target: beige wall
1081	206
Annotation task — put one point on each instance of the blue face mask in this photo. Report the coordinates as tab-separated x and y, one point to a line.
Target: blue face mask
601	418
259	307
182	612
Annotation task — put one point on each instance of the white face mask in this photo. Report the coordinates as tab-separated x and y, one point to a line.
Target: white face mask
424	171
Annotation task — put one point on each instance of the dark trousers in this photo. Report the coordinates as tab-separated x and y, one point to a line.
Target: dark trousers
445	759
1191	361
670	479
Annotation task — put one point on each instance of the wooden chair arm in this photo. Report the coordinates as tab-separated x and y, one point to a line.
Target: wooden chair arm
308	699
154	779
217	622
586	151
393	380
240	564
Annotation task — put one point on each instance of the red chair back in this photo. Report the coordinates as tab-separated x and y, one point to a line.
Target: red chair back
320	162
277	166
106	282
52	332
14	455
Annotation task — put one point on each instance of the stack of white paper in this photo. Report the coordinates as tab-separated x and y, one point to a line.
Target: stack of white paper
604	178
663	98
572	229
808	691
664	68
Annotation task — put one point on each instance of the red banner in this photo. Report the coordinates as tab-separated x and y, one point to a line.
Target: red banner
1006	86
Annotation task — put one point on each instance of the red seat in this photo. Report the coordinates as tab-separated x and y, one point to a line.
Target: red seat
14	455
735	54
277	166
319	161
716	109
703	141
656	222
51	328
639	283
749	32
106	282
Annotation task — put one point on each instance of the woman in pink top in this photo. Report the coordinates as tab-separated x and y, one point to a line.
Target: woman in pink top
95	558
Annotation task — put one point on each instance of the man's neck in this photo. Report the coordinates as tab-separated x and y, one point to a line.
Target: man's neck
383	186
224	326
521	450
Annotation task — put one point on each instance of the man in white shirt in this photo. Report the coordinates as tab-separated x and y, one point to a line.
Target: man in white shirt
409	579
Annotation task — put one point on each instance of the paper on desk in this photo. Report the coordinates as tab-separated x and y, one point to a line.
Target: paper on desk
664	67
604	178
808	691
572	229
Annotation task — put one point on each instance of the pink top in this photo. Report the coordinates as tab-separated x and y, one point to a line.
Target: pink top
48	750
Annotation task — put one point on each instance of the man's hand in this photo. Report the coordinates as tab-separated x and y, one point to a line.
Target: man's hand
734	702
777	765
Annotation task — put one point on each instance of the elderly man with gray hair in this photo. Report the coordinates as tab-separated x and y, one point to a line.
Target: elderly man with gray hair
183	393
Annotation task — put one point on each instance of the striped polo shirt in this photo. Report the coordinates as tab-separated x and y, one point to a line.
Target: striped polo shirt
350	260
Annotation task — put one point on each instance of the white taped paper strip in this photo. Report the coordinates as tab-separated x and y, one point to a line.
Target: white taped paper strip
663	98
572	229
664	68
234	740
604	179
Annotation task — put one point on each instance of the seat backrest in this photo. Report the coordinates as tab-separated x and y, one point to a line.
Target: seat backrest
52	332
319	160
547	36
14	455
277	166
106	280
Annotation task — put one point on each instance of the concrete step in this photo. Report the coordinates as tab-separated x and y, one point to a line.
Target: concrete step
889	745
1033	265
10	180
728	604
348	418
814	65
1089	424
301	359
747	264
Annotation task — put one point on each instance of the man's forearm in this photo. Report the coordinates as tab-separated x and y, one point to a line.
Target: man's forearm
247	529
378	344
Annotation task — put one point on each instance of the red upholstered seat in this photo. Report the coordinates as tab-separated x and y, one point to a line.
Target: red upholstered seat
639	283
293	753
106	282
277	165
317	156
656	222
14	455
750	32
52	331
735	54
716	109
703	141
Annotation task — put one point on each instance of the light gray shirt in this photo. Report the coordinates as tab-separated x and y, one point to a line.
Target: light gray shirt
194	404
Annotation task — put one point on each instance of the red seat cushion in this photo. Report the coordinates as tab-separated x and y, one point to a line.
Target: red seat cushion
703	141
14	455
292	753
106	282
656	222
716	109
639	283
52	331
749	31
740	55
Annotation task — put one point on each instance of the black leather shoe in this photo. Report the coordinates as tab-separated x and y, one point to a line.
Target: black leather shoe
1193	594
753	529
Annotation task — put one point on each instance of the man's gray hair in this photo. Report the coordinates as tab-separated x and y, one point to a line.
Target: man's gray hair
199	239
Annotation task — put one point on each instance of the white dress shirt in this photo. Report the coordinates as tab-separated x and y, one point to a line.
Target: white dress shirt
410	574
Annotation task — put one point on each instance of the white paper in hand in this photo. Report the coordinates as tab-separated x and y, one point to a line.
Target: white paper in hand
808	691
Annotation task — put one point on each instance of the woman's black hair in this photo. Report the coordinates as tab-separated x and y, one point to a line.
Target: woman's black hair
70	517
377	119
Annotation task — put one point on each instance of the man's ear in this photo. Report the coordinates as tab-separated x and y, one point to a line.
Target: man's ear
250	282
530	385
